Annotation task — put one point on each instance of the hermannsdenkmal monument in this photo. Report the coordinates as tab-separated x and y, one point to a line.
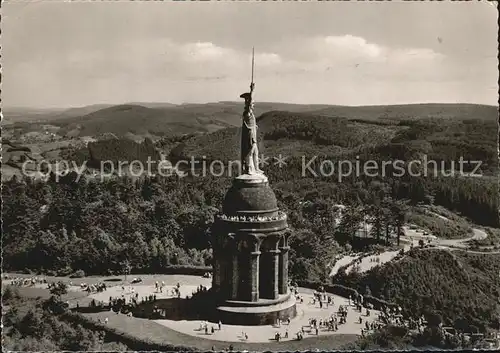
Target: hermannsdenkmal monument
250	242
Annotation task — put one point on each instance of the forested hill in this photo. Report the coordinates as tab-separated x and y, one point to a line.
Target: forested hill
413	111
291	133
138	120
441	139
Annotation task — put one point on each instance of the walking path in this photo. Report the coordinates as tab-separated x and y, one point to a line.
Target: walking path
411	237
369	262
344	260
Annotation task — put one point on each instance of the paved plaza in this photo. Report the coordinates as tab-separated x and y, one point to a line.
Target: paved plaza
306	311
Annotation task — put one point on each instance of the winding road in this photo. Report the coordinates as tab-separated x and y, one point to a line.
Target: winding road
478	234
411	237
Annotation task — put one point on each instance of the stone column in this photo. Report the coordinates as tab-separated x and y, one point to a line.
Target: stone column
235	276
222	275
253	276
273	271
283	270
216	273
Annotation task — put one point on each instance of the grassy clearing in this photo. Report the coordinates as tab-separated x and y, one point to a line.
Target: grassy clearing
44	293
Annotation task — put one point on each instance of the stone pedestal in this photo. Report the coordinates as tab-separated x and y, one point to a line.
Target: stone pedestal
250	236
262	312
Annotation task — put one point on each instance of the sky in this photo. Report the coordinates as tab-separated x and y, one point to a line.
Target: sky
69	54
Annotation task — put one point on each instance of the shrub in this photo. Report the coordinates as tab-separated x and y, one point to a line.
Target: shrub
10	293
78	274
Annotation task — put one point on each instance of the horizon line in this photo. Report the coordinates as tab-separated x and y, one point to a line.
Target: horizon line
138	103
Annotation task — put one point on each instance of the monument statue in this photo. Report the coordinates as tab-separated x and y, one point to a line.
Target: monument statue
249	147
250	243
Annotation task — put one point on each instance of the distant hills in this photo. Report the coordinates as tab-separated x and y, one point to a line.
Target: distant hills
440	137
443	131
290	133
164	119
20	115
413	111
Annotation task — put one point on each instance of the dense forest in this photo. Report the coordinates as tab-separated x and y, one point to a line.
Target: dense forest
154	223
112	151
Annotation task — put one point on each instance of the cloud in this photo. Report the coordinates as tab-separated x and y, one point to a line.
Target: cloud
224	58
355	56
162	57
205	51
268	59
178	61
352	47
349	46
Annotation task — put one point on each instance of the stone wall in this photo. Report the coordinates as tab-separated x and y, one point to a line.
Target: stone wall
256	318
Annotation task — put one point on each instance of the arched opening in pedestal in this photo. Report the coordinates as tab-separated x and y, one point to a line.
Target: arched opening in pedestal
268	275
263	276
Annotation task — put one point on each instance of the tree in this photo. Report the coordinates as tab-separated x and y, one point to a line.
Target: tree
10	293
126	268
349	224
388	217
58	289
375	213
195	224
399	211
434	320
368	291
